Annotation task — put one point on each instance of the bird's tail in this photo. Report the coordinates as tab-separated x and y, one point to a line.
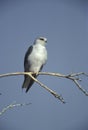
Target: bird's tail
28	82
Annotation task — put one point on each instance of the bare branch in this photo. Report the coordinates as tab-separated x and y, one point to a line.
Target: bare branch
49	90
14	74
41	84
74	77
80	87
12	105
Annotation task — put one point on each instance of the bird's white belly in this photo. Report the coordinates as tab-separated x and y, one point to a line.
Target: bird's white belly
37	58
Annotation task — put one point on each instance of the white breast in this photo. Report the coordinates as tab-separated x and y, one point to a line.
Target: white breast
38	57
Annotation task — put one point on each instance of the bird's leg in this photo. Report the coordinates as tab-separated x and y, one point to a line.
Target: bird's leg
37	73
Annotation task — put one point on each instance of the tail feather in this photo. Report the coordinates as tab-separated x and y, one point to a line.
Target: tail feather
28	82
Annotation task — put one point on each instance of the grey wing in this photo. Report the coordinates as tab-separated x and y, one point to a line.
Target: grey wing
26	62
27	67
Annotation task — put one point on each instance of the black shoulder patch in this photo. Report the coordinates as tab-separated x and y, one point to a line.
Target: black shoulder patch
28	53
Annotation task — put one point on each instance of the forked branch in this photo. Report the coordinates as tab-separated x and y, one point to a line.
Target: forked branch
73	77
37	81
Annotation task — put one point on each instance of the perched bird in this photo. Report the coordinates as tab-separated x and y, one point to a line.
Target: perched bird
35	58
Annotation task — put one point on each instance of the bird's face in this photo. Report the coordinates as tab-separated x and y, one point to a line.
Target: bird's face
41	40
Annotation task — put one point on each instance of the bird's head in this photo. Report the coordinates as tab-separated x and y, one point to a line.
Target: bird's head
41	40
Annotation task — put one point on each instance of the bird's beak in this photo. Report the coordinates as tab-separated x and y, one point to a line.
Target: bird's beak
45	40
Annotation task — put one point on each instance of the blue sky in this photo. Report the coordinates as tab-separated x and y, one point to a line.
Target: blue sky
65	25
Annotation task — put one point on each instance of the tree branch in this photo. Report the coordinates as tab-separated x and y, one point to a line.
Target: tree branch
12	105
41	84
74	77
49	90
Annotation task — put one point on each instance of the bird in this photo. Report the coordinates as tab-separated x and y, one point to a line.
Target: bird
34	60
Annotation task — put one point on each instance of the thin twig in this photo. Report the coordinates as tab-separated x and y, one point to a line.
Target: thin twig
12	105
80	87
